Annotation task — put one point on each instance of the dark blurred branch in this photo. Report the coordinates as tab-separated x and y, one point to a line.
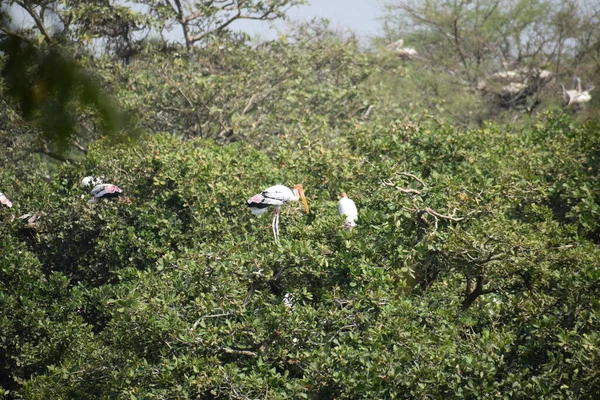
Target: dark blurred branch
12	34
52	155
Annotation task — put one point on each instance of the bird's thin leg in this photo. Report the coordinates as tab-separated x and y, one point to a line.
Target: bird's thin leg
277	226
274	226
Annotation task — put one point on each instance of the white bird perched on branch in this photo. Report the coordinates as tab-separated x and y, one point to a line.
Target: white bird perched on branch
576	96
4	200
289	300
104	191
346	207
276	196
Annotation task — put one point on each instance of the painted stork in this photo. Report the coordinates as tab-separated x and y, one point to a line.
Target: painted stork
347	208
276	196
104	191
4	200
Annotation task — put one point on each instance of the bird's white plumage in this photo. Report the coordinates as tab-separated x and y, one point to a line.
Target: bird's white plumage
275	196
90	180
289	300
258	211
346	207
576	96
278	195
4	200
104	190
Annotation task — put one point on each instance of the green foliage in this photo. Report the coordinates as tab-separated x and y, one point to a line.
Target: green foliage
472	272
177	291
231	91
50	90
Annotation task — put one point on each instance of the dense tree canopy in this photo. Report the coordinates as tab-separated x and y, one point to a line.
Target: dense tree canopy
476	252
472	271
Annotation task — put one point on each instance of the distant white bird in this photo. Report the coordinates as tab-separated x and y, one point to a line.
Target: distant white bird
276	196
91	181
289	300
347	208
104	191
403	52
4	200
576	96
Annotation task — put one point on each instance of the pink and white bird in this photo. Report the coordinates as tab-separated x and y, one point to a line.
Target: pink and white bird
4	200
347	208
104	191
276	196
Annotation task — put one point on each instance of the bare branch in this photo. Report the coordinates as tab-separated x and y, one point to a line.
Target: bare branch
36	18
13	34
366	114
184	96
247	108
408	191
343	328
53	155
79	146
413	176
451	218
237	352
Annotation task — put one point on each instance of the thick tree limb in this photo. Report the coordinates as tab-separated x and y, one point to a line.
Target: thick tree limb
471	296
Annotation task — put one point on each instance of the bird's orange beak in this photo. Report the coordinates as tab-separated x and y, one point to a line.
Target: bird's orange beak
302	197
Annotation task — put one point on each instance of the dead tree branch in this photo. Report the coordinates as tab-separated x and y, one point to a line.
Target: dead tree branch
389	182
237	352
414	177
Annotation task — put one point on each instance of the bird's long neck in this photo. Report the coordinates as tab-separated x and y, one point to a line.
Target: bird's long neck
296	195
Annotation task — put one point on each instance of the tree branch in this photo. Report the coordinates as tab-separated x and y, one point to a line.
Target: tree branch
409	191
52	155
36	18
472	296
414	177
237	352
13	34
451	218
79	146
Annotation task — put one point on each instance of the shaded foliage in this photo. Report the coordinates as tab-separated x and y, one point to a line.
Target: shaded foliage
49	88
